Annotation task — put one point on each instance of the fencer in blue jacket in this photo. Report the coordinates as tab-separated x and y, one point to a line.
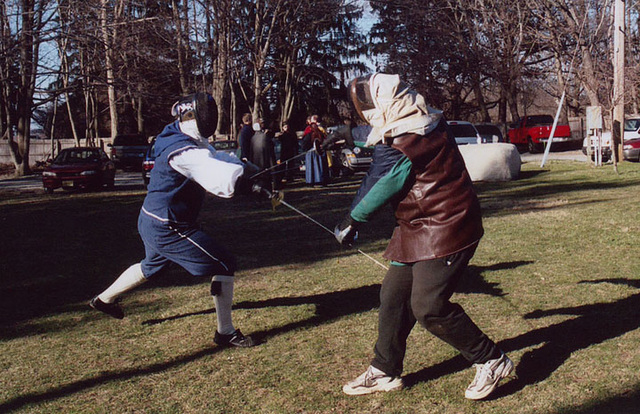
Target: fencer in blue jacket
186	168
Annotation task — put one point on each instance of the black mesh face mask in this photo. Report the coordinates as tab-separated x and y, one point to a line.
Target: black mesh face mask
360	92
201	107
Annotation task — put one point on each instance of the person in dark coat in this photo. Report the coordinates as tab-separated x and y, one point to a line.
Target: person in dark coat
288	150
244	139
263	154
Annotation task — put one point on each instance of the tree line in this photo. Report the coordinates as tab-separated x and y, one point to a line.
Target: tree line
96	68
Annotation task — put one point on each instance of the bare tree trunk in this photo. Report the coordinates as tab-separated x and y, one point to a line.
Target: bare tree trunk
180	48
561	87
289	84
233	129
479	94
263	36
109	44
29	40
65	70
220	74
512	100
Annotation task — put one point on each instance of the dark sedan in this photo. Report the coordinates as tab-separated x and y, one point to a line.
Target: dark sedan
79	168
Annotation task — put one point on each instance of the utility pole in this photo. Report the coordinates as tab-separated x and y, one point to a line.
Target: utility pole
617	134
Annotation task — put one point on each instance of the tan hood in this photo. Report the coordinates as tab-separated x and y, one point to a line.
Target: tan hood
398	110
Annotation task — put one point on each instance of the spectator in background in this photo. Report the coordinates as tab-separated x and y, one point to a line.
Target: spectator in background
244	139
263	154
288	150
316	166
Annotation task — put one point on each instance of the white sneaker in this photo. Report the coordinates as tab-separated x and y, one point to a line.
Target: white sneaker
372	382
488	375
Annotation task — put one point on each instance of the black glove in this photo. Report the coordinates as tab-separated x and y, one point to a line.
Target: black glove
250	169
347	231
244	185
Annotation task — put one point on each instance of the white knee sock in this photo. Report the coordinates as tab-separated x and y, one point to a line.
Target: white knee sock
223	302
129	279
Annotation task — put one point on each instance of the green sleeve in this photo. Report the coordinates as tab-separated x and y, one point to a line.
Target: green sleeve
384	190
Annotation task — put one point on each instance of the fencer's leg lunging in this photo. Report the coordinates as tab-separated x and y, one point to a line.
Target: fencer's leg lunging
226	334
222	292
128	280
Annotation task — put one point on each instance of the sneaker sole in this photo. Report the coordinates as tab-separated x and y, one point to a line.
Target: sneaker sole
505	373
394	385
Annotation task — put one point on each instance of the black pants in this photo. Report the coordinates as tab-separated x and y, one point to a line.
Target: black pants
421	292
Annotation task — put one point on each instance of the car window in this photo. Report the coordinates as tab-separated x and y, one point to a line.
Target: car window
130	140
489	130
225	145
539	120
631	124
74	156
463	130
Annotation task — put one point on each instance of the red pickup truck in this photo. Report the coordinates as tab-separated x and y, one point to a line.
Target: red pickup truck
533	131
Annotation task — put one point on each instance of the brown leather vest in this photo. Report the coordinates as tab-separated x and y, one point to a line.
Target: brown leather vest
440	215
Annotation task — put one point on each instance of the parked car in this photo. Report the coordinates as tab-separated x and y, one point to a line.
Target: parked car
534	131
148	162
632	127
79	167
464	132
631	132
631	149
358	157
489	133
228	145
128	151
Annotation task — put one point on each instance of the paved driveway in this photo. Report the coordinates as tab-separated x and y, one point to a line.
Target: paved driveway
124	180
573	155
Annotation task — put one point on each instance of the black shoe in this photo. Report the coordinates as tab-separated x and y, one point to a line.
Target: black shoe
111	309
236	339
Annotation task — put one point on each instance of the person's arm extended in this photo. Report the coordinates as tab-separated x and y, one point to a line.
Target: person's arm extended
215	172
381	189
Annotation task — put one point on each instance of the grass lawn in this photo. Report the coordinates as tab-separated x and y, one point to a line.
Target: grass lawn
556	281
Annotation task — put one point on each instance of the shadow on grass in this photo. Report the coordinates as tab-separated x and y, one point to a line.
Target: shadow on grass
329	306
64	251
336	304
593	324
627	403
530	191
81	385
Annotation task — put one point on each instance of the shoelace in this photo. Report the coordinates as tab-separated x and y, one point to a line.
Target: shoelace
482	371
370	379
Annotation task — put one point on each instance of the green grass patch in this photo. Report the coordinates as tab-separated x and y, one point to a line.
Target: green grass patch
556	281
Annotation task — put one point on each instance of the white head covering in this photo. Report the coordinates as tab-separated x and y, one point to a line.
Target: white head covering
398	110
190	128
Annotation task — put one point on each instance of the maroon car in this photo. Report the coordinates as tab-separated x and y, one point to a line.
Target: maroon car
79	167
631	149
